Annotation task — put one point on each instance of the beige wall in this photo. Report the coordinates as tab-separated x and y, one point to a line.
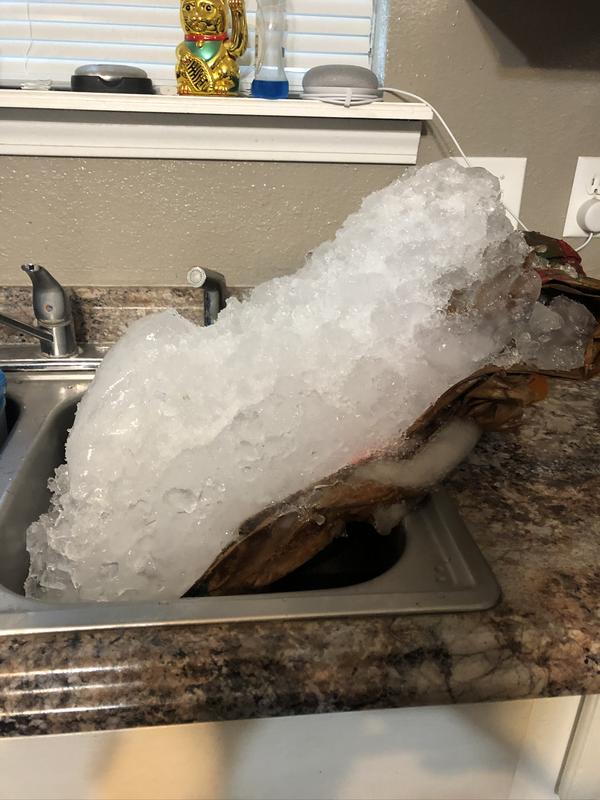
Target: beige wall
517	77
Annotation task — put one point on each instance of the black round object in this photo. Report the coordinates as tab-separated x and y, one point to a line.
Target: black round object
90	83
112	78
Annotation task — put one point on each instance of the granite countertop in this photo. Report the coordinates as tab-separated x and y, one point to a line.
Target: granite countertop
531	501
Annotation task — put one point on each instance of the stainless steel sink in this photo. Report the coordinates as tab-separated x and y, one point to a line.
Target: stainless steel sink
430	564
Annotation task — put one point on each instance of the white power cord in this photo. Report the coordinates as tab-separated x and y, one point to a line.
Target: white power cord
349	96
591	235
401	93
354	96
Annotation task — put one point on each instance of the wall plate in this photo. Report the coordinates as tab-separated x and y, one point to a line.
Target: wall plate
511	174
587	168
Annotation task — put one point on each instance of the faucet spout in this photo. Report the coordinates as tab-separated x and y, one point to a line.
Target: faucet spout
52	309
51	305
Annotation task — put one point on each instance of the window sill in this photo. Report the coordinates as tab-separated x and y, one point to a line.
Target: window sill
232	128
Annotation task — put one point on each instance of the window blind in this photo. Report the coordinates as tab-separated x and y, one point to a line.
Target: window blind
48	40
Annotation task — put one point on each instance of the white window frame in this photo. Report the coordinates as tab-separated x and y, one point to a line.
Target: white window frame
47	39
166	126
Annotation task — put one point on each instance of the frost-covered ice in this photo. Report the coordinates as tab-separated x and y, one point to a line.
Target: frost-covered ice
187	431
556	335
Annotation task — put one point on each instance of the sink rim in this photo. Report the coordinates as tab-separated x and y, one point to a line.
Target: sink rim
27	359
436	523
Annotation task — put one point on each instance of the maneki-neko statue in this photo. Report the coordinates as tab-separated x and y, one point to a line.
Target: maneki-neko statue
206	59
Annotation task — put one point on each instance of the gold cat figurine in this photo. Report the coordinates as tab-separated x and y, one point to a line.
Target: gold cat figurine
206	59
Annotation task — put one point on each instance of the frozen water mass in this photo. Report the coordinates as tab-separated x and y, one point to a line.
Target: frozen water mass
187	431
556	335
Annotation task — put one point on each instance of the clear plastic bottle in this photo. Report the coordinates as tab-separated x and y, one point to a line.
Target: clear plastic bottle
270	80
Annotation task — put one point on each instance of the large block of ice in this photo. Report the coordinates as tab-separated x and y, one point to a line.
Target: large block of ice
187	431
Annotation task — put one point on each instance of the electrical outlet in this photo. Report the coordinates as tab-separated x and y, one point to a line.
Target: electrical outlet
586	184
511	174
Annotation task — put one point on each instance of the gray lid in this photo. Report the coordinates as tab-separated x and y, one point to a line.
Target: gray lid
342	76
109	72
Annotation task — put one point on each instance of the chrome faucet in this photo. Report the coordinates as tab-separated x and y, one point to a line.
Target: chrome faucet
52	310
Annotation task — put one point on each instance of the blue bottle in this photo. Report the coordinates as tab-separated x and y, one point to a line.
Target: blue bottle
270	81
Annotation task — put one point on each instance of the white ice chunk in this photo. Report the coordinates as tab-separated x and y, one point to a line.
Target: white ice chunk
556	335
187	431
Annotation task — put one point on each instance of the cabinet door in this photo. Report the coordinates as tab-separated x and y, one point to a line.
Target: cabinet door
580	779
487	751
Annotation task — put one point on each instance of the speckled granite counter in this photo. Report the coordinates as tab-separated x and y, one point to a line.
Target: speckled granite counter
531	500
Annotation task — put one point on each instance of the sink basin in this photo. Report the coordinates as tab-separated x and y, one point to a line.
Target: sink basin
430	563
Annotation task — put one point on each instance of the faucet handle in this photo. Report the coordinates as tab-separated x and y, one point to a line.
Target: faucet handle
50	303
